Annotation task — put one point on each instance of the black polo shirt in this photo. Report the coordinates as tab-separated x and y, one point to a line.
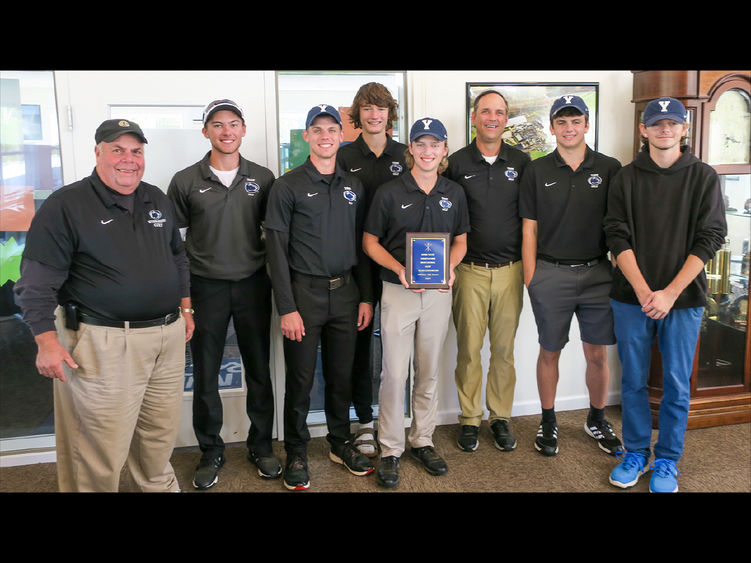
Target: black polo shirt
322	217
373	171
120	265
400	207
224	235
568	205
492	192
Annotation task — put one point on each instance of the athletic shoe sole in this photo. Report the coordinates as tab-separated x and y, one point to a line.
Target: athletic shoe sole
297	487
214	482
466	449
625	485
335	458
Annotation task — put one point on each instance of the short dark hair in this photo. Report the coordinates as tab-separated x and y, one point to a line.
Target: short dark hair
569	112
484	93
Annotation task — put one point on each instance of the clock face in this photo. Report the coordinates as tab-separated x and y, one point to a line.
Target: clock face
730	129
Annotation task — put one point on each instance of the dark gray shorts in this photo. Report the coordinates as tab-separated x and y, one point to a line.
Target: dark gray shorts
558	292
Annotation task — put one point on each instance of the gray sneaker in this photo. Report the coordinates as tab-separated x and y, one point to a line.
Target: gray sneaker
207	472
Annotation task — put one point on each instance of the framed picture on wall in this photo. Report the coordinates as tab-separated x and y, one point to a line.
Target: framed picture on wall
528	126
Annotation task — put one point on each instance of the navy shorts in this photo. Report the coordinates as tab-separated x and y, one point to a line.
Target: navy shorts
557	292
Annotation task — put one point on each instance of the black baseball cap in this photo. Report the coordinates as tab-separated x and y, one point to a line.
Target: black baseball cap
111	129
217	105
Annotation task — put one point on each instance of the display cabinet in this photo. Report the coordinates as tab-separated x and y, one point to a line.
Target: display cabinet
719	107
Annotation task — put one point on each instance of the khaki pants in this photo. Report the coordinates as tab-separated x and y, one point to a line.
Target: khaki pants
486	299
122	404
410	322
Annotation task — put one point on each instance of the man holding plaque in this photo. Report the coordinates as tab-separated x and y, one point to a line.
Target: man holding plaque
488	291
424	208
322	289
562	201
375	158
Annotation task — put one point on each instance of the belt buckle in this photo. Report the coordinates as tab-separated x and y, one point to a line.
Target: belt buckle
335	283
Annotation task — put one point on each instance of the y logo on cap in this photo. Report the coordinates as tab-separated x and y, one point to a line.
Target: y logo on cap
426	123
664	105
568	99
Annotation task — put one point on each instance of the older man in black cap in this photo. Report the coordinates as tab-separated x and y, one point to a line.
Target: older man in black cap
104	280
221	200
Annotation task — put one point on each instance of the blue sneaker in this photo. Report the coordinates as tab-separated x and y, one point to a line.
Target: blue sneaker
626	474
664	476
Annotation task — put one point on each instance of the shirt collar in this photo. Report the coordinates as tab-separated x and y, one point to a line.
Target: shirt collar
106	194
588	162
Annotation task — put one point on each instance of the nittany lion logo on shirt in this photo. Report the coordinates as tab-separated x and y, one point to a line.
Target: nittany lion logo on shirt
594	180
511	174
156	218
251	188
445	204
396	168
349	195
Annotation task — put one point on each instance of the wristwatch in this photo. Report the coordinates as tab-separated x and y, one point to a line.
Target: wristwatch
184	310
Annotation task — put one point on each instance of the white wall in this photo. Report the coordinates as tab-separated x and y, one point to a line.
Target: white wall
439	94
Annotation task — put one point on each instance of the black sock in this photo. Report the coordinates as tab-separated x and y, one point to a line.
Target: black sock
595	415
548	415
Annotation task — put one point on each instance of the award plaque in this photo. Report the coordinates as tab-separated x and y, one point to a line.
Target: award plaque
427	260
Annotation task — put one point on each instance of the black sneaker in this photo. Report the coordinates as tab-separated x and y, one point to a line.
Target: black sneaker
547	438
388	472
268	466
207	472
346	454
434	464
296	476
504	438
601	431
468	438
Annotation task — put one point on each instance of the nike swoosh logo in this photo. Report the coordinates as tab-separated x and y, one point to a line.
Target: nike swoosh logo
103	222
204	190
467	177
406	206
311	195
550	184
355	169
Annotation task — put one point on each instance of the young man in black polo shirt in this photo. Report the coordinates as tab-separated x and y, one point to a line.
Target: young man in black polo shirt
413	321
222	200
313	227
108	250
665	220
566	269
375	158
488	291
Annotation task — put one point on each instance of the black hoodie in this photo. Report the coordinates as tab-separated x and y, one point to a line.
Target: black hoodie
663	215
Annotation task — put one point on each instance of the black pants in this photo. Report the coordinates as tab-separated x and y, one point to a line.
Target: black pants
362	375
248	303
329	316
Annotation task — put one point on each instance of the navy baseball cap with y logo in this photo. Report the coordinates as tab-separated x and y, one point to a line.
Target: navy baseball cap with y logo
664	108
322	109
428	126
568	101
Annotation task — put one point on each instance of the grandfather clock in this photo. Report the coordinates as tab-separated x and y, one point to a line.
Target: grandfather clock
719	107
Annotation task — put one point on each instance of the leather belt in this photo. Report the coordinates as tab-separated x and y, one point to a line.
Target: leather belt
318	281
165	320
488	266
588	263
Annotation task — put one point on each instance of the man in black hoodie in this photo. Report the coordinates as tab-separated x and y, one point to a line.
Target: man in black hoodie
665	220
